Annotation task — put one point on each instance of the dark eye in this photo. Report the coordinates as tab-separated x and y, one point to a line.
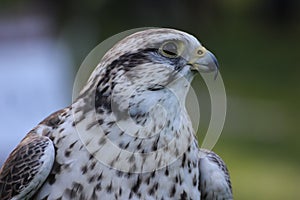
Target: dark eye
169	49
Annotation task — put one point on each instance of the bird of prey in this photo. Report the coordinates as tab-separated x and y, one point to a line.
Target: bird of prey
127	135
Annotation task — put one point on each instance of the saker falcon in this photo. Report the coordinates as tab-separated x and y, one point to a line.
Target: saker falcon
127	135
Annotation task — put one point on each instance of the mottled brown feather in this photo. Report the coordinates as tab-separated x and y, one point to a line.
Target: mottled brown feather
22	165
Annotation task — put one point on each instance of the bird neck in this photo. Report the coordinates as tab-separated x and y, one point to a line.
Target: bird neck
135	121
150	131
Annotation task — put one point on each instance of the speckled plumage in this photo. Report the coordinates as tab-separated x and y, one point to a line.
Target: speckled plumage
127	135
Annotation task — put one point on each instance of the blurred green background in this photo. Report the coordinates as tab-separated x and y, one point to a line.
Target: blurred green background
257	43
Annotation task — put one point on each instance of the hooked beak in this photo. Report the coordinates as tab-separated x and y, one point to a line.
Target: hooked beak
205	62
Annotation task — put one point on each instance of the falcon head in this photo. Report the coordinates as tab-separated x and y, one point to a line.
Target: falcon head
147	67
138	91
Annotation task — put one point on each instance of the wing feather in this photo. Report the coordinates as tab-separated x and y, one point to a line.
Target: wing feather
26	168
214	177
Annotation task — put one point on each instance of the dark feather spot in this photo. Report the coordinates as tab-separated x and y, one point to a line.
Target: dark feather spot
84	169
195	180
167	171
173	191
136	185
183	196
109	188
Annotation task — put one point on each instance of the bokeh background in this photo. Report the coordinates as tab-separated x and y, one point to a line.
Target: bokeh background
257	42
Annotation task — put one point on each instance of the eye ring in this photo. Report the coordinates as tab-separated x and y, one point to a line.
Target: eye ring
169	49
